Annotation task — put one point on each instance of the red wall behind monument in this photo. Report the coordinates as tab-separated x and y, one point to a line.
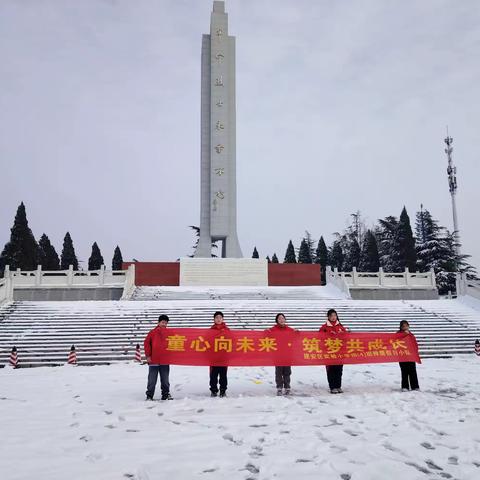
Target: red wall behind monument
156	273
293	274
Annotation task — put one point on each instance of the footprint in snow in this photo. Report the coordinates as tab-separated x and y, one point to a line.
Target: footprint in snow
390	447
86	438
252	468
345	476
94	457
350	416
427	445
432	465
110	426
260	425
418	467
352	433
453	460
257	451
229	438
334	423
107	412
322	437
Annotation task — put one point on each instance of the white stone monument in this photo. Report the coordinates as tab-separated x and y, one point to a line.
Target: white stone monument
218	206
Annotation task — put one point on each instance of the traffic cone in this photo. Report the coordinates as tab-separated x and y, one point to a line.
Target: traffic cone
72	356
138	354
13	358
477	347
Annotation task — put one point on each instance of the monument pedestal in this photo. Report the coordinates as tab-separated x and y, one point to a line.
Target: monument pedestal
223	272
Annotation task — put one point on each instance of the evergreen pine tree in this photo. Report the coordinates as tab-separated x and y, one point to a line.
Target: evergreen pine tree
385	234
429	246
404	253
22	249
311	245
290	254
268	259
274	258
197	239
423	226
304	252
351	253
336	256
321	254
68	256
96	260
321	257
437	248
48	256
255	253
6	258
117	260
369	259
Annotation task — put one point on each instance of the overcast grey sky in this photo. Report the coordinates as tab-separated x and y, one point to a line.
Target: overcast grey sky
341	106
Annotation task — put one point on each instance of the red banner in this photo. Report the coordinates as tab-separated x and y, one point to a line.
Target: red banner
195	346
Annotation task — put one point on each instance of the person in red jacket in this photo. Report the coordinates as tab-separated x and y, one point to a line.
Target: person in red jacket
282	374
408	369
218	375
153	345
334	372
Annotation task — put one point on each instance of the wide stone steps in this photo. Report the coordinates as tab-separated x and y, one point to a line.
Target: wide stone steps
235	293
106	332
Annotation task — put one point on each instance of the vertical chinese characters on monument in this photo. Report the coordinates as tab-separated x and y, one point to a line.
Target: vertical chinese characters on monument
219	131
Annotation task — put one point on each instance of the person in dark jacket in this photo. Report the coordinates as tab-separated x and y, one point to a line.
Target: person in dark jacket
282	374
408	369
153	346
334	372
218	375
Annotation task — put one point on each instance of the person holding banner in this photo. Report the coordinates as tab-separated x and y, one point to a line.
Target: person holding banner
408	369
218	375
334	372
282	374
154	345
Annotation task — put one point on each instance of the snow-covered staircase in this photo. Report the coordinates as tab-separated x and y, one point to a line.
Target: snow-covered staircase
108	331
232	293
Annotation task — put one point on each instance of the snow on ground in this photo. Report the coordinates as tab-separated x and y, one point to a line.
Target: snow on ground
93	423
469	301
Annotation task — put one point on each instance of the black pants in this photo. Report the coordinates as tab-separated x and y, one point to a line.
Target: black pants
334	376
282	376
215	373
153	372
409	375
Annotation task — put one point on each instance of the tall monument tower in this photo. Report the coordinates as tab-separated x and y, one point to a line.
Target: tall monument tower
218	205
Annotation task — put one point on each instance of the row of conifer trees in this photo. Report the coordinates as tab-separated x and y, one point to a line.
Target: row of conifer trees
24	252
